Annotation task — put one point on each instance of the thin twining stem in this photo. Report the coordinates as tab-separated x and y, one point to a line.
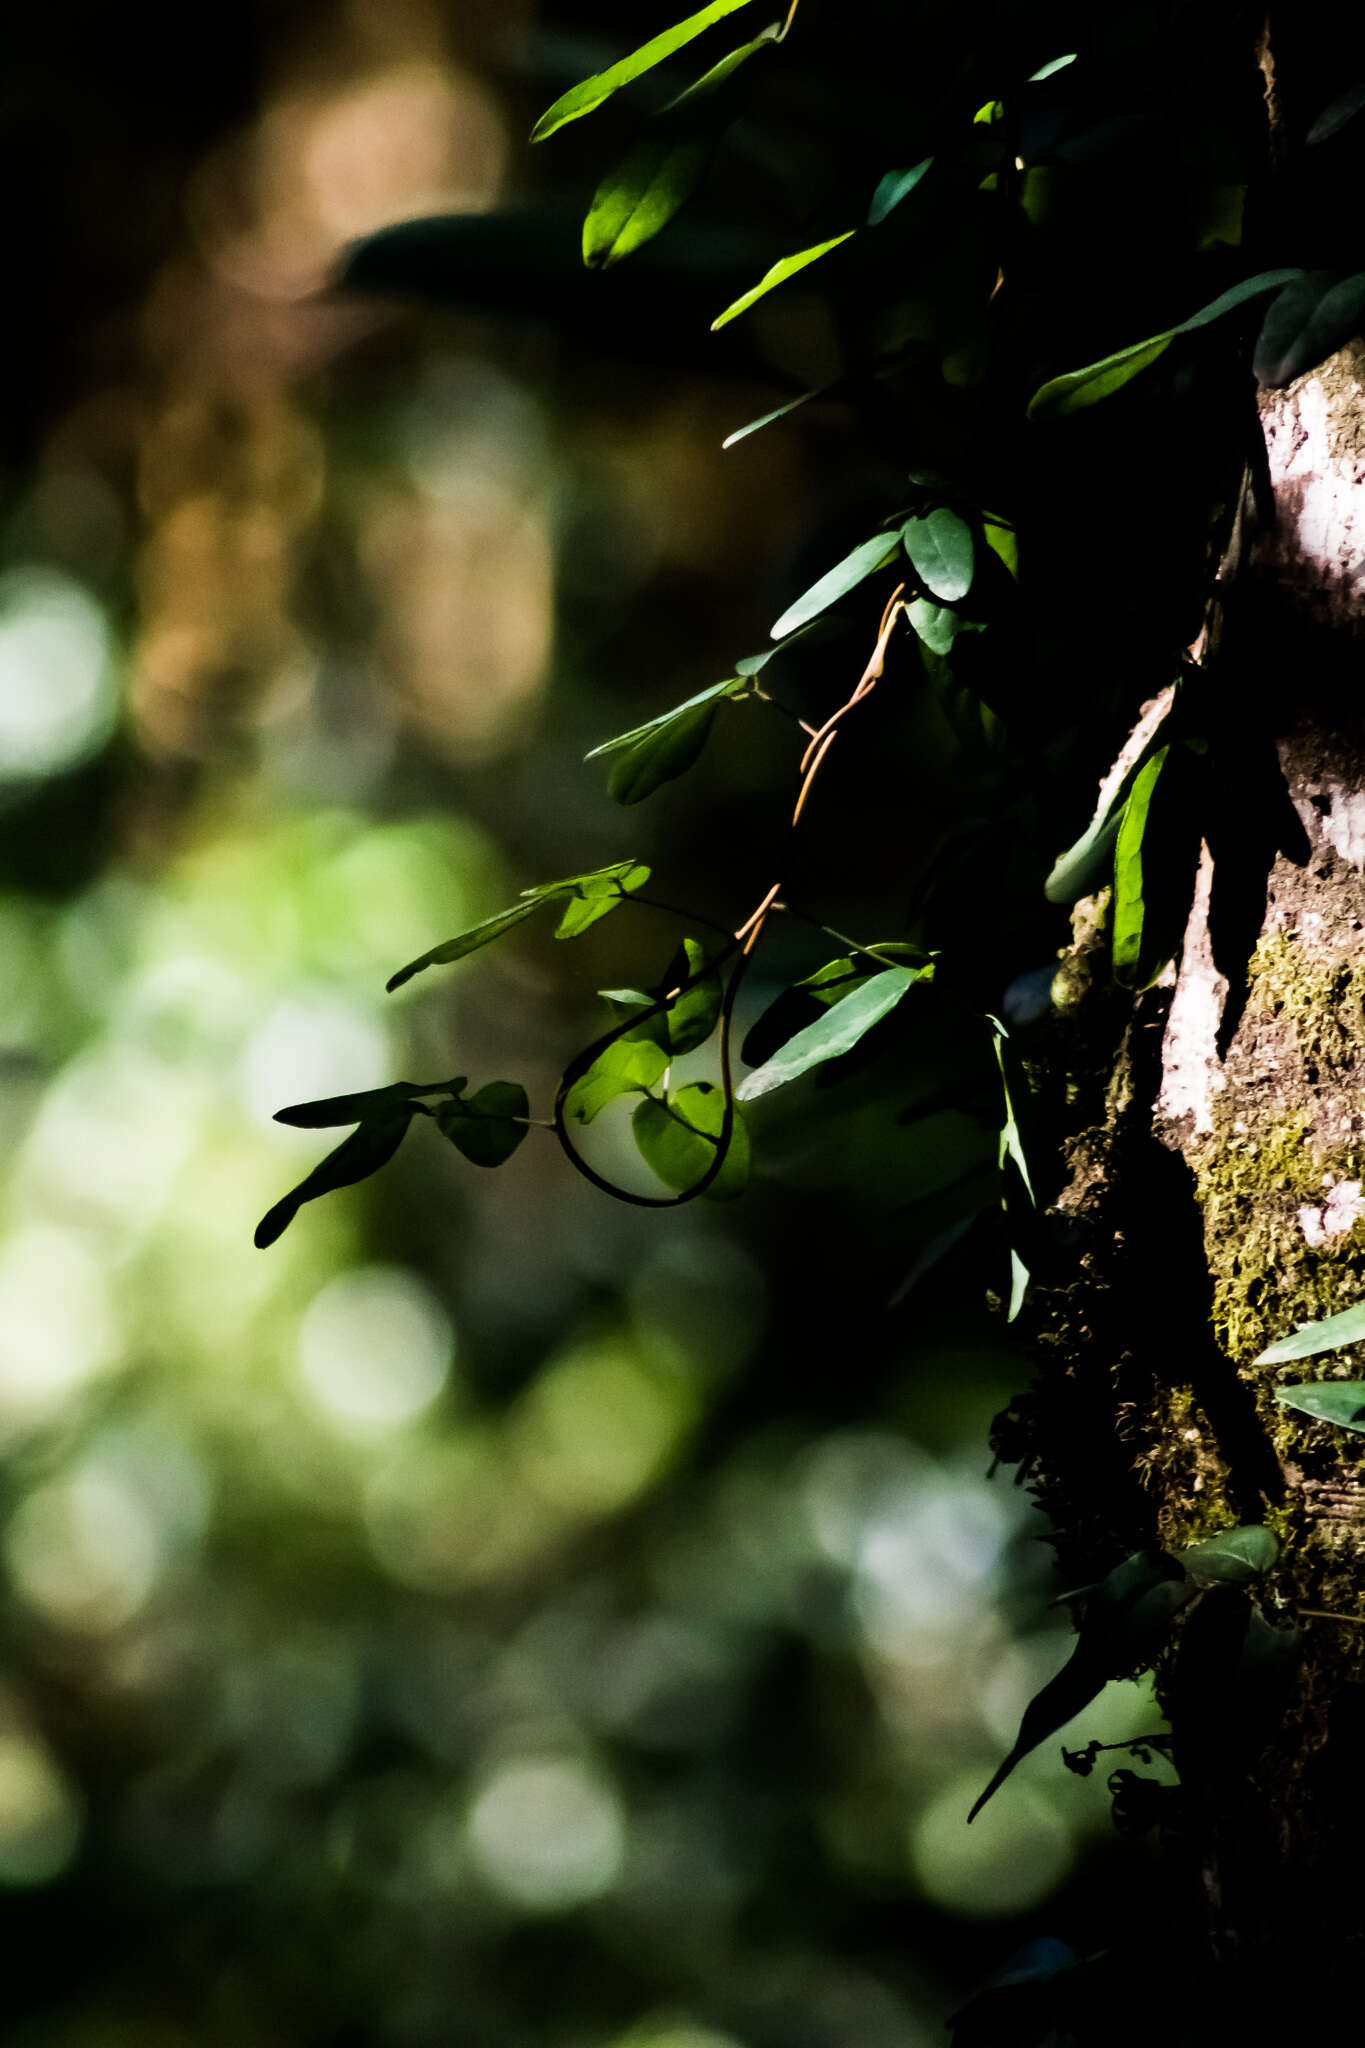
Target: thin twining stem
767	697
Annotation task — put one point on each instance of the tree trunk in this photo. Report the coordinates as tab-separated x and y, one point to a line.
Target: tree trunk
1214	1199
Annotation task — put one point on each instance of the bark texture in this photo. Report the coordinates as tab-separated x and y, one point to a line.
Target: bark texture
1214	1198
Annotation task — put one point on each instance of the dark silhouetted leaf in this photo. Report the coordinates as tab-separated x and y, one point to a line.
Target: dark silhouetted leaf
679	1140
352	1109
1312	318
590	92
1126	1623
1347	1327
355	1159
779	273
487	1127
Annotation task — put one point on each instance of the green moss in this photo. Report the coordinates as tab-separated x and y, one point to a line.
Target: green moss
1324	1007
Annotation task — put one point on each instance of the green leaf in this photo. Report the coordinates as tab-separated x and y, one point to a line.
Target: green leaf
1126	1625
1347	1327
865	560
1078	388
753	664
1233	1557
664	747
694	1011
679	1140
1335	116
463	944
1337	1401
590	92
778	412
627	1066
1310	320
801	1004
351	1109
837	1032
1089	863
597	892
355	1158
487	1127
941	553
594	897
1014	1168
937	626
1156	854
1003	540
1049	70
894	187
641	196
778	274
693	1014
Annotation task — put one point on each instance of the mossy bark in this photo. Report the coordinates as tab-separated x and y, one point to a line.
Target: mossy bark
1213	1199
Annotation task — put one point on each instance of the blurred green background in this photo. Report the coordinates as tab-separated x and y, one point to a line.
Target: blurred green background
494	1615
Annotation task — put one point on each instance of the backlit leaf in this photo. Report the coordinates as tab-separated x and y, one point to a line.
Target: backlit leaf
1156	854
624	1067
779	274
679	1140
660	174
581	99
488	1126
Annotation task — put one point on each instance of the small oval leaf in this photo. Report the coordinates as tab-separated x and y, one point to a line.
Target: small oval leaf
942	553
1233	1557
678	1140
